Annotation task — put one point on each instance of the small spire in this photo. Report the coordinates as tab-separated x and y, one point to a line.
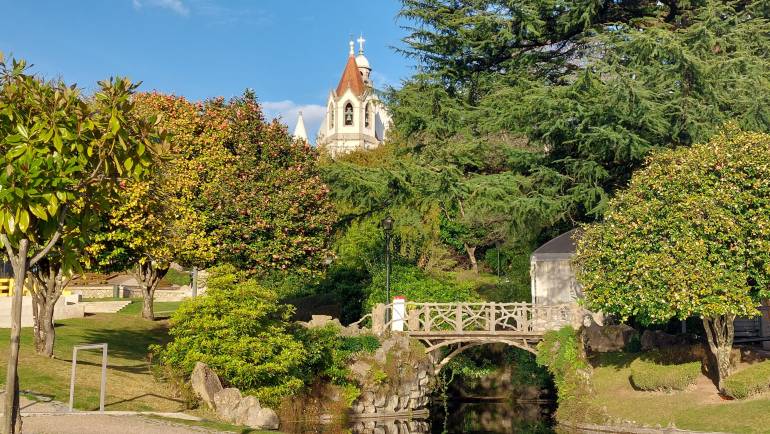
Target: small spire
361	41
352	49
299	131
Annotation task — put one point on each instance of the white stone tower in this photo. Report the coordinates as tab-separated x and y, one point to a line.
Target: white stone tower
299	130
355	116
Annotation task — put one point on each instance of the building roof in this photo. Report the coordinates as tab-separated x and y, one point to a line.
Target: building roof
561	247
351	78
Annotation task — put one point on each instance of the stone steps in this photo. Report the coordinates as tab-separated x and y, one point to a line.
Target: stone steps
105	306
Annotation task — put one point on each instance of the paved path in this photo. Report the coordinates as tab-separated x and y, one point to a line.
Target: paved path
51	417
104	424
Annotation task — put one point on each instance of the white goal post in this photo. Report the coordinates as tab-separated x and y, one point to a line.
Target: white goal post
103	387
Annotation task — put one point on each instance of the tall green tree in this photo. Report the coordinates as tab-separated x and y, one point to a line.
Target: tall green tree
529	114
58	150
593	86
689	237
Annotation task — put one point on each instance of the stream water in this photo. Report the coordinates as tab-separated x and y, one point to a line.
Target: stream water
480	417
493	418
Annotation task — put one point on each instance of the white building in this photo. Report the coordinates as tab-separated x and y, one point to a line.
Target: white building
355	117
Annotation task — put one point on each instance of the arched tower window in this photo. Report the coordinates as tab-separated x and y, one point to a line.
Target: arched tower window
367	113
331	117
348	114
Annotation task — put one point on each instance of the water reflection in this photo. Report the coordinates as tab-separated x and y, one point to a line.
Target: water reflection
493	417
391	427
464	417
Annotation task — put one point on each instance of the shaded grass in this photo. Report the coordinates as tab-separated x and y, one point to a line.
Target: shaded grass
130	385
699	408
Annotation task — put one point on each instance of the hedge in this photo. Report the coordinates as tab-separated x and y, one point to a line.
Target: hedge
650	375
752	380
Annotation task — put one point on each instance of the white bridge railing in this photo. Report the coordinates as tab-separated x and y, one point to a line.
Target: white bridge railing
423	319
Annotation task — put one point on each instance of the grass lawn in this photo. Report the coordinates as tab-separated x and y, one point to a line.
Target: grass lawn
699	408
161	308
130	385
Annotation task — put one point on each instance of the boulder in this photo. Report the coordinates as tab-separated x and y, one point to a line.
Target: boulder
247	410
322	321
227	403
360	370
609	337
250	413
265	419
659	339
205	383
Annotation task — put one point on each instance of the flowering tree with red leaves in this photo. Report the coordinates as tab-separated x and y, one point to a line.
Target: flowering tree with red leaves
270	208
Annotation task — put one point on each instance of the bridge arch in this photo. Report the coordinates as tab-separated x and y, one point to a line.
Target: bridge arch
466	345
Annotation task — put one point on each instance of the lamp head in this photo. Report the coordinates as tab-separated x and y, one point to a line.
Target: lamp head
387	224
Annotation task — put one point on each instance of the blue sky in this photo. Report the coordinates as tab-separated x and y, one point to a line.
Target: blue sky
290	52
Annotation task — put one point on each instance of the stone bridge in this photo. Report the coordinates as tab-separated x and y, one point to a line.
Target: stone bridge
460	326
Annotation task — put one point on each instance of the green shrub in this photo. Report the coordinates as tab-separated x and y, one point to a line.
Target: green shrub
242	333
649	374
417	285
328	353
561	351
515	285
750	381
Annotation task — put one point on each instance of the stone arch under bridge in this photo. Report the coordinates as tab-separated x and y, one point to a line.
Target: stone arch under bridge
460	326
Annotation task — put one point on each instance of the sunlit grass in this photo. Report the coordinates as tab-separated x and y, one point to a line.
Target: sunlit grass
699	408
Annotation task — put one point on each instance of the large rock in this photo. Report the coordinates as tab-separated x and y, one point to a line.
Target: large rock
360	370
659	339
226	402
323	321
609	337
264	419
234	408
205	383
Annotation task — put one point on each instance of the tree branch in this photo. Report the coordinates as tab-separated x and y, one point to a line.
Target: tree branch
54	239
41	254
8	248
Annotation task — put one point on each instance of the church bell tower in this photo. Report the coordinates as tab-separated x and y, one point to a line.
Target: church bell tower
355	117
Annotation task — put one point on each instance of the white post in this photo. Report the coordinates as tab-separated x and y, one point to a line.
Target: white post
399	313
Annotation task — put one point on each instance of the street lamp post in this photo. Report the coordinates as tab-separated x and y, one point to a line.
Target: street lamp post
387	227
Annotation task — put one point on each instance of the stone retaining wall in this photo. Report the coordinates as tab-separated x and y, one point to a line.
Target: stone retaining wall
106	291
397	380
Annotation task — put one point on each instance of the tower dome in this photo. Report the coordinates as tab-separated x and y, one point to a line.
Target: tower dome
362	62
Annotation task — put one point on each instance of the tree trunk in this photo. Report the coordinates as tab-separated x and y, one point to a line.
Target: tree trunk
11	413
471	251
44	332
472	257
719	334
149	275
49	287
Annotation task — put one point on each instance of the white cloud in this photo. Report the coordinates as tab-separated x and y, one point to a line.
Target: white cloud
176	6
287	111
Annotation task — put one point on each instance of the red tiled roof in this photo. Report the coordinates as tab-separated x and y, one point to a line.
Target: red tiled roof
351	78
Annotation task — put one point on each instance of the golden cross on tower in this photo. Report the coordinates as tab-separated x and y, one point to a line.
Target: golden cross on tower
361	41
